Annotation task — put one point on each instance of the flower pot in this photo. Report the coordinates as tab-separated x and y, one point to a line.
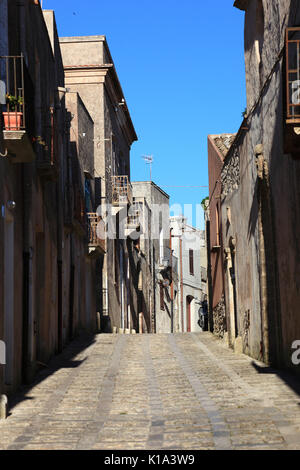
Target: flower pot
12	120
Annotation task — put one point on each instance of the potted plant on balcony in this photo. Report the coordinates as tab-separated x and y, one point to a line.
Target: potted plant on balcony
13	115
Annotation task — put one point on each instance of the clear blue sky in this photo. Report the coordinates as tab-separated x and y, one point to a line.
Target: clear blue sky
181	67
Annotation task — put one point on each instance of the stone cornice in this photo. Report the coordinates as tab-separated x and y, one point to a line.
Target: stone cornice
106	74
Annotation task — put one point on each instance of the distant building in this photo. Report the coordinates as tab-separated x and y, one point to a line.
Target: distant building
189	250
158	284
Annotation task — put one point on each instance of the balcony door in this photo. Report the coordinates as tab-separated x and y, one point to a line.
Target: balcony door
189	301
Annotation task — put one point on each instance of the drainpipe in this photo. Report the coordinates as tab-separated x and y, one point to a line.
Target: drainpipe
28	327
181	284
172	285
262	255
263	291
59	221
154	288
71	290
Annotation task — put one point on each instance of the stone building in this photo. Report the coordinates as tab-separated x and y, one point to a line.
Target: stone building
45	265
90	71
218	146
260	192
189	251
160	281
137	232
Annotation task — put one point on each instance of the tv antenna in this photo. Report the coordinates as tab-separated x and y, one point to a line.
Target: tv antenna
149	160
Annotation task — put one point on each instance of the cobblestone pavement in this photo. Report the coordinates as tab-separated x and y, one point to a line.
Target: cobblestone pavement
160	392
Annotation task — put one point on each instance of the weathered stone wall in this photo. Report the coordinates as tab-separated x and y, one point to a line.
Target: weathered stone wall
267	236
3	51
83	314
41	295
239	221
88	51
215	164
117	158
89	71
219	318
230	176
3	28
158	202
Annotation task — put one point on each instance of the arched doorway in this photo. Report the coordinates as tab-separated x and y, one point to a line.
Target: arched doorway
189	300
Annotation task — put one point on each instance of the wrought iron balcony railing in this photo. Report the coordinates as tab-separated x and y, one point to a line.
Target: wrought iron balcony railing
12	99
121	190
96	233
13	92
135	213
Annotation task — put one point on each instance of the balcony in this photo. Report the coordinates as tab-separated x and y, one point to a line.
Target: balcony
164	258
168	264
96	235
134	219
175	263
121	191
12	95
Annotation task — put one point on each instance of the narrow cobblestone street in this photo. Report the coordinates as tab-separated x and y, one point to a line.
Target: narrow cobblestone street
179	392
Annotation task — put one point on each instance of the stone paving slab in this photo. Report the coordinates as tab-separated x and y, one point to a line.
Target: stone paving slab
153	392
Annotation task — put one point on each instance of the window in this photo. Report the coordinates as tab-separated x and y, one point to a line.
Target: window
293	74
191	259
88	195
161	245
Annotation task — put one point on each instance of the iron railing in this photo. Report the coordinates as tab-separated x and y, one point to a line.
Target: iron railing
134	216
13	89
96	231
165	256
121	190
293	74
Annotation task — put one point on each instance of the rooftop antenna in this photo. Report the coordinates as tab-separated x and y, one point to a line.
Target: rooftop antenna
149	160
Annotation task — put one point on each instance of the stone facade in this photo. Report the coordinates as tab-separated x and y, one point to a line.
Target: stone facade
46	273
219	319
189	248
260	216
218	148
158	244
230	176
90	71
